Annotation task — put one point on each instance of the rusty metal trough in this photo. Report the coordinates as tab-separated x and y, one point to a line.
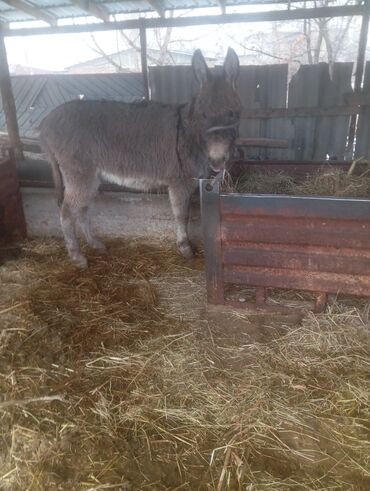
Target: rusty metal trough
317	244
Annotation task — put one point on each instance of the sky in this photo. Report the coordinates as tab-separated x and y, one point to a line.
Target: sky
58	51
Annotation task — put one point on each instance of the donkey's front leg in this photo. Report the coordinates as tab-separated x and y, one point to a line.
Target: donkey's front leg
180	194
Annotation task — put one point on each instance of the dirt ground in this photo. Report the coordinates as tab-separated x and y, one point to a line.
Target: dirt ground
117	377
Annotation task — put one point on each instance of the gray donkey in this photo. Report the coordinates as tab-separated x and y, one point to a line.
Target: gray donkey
141	145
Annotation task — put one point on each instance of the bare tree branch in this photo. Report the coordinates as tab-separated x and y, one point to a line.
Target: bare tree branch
262	52
97	49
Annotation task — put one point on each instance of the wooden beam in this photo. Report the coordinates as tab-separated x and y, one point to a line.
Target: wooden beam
262	142
301	112
31	145
157	5
92	9
222	4
275	15
144	64
33	11
359	98
8	102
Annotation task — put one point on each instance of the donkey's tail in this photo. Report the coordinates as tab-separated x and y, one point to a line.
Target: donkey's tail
58	179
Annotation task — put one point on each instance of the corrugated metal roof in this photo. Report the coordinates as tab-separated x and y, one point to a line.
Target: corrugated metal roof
36	95
62	9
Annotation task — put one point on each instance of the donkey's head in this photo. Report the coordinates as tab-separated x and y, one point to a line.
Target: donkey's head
216	109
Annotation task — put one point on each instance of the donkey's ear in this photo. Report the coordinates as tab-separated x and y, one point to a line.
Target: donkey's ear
200	68
231	66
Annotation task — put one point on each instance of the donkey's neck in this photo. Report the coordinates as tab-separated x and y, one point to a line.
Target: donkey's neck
189	146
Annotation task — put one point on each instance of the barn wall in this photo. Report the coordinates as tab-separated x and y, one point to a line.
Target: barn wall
36	95
272	104
265	88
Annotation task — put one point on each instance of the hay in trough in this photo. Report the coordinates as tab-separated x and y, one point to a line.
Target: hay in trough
112	378
328	180
260	182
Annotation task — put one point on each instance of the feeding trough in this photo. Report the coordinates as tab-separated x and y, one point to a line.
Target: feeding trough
311	243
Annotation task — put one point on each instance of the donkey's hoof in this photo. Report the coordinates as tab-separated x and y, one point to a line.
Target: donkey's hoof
79	260
98	246
186	250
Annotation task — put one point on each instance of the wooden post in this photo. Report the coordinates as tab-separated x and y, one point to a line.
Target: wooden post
210	211
8	101
144	62
359	74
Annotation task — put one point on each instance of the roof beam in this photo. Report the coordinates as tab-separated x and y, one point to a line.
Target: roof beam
275	15
157	5
92	9
32	10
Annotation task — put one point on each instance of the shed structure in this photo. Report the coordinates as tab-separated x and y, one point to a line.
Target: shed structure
72	16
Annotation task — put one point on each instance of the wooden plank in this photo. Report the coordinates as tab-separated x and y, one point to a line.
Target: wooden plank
28	144
331	133
152	23
253	89
360	65
172	84
302	112
262	142
296	257
362	148
297	280
342	75
304	91
275	86
359	98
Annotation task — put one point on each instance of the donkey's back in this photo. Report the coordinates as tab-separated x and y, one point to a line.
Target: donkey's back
136	140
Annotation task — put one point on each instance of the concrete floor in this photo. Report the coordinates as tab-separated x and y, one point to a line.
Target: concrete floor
115	214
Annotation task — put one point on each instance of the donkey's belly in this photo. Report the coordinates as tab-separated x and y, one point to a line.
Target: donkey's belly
133	183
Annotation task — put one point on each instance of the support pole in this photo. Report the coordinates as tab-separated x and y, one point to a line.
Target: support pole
360	65
144	62
8	102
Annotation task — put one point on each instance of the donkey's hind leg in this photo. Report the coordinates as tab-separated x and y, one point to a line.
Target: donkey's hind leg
180	195
84	220
68	220
74	211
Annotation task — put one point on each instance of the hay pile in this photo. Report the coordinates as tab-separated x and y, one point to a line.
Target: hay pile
326	181
111	379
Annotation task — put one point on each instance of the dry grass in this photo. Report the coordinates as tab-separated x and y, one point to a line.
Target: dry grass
111	379
327	181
